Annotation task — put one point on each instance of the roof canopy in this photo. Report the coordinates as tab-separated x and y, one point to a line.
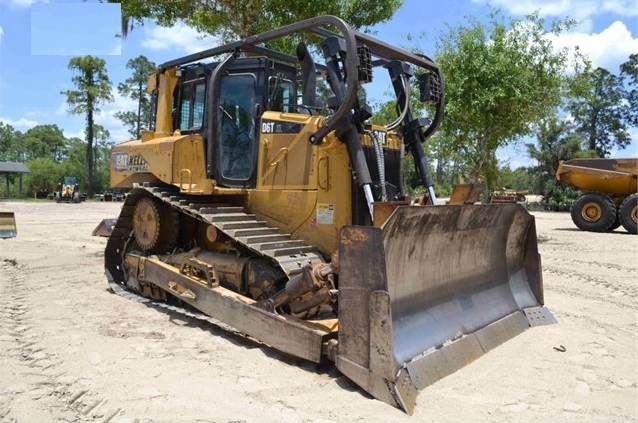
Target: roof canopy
13	167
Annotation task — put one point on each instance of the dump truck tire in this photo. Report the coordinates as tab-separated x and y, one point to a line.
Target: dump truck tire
628	213
594	212
616	224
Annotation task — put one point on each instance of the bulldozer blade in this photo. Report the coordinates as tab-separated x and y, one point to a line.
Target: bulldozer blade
432	290
104	228
8	228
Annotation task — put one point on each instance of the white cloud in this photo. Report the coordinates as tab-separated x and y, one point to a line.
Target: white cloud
120	103
180	37
607	49
116	50
1	33
21	124
578	9
62	109
22	3
105	117
73	125
78	134
621	7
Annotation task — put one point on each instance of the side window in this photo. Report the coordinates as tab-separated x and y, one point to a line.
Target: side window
198	106
280	94
237	125
153	115
185	109
191	110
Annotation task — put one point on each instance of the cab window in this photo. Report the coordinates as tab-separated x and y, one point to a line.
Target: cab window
280	94
191	108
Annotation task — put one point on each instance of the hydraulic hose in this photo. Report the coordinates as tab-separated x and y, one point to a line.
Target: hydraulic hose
378	150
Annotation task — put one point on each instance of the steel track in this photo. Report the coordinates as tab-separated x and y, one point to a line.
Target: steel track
244	229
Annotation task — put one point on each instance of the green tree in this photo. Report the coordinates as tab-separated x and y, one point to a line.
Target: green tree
75	163
43	175
102	137
10	150
557	140
232	19
93	88
629	75
442	158
501	77
10	143
135	88
601	112
44	141
102	150
521	178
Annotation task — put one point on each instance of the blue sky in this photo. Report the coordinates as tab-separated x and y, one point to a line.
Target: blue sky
76	29
38	37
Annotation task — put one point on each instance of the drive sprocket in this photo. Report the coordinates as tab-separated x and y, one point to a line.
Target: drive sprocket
155	225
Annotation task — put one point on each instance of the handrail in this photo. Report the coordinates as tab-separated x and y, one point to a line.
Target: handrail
281	152
181	179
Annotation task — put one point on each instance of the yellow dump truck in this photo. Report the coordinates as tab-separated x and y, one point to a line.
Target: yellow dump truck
609	197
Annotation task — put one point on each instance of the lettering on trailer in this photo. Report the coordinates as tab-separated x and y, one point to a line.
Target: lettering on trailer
122	162
280	127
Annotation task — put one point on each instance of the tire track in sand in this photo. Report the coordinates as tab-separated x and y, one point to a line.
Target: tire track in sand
33	377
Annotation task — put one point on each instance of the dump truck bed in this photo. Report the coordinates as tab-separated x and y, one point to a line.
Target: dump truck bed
615	177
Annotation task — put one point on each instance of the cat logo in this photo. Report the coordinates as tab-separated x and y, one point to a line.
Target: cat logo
122	162
382	136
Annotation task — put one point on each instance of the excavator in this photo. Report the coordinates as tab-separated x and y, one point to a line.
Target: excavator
282	215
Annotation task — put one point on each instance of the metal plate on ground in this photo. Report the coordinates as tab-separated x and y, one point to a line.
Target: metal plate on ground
538	316
406	392
104	228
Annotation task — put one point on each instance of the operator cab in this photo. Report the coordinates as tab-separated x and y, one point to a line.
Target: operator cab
68	180
223	102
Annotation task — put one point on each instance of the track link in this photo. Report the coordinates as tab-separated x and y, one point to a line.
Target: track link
233	221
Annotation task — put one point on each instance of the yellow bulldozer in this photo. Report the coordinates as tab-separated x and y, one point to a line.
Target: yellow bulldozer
283	215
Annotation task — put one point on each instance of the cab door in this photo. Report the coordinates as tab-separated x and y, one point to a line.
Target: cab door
236	130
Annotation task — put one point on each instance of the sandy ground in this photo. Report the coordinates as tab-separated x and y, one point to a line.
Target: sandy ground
72	351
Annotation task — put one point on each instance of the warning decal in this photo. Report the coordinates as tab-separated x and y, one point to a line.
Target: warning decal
325	214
